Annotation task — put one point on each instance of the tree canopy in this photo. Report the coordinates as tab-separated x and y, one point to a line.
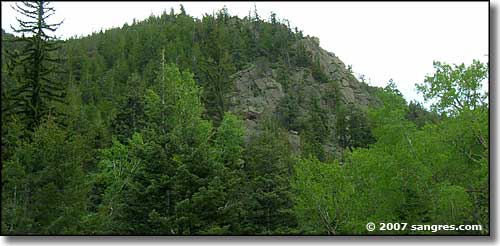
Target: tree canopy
129	131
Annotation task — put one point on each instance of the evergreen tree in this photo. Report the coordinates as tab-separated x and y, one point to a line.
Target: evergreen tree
419	115
268	163
140	153
352	127
43	184
217	65
37	86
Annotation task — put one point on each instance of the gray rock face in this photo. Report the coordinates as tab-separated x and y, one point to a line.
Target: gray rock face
336	70
257	91
254	93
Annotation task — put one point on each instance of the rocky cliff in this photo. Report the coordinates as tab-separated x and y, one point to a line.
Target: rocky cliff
267	89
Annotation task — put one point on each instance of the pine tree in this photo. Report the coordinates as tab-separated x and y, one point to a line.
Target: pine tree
43	184
268	164
217	67
37	86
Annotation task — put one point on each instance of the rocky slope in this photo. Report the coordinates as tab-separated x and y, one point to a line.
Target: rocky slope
261	89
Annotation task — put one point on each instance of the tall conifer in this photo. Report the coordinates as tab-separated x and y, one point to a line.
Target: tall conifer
37	87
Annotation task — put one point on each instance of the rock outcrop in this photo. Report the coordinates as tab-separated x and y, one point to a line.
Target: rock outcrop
259	90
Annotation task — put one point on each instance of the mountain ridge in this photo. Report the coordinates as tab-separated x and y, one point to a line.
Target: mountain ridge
247	66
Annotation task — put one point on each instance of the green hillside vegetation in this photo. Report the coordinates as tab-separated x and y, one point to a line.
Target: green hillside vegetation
223	125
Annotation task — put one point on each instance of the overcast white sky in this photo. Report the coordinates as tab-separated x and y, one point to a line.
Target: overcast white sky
381	40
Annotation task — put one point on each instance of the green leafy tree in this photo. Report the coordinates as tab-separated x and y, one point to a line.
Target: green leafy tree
119	190
43	184
323	197
229	141
452	205
455	87
456	90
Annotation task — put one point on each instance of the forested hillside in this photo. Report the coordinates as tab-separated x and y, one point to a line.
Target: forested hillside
223	125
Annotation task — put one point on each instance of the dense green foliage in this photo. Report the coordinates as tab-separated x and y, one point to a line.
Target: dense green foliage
436	174
145	142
